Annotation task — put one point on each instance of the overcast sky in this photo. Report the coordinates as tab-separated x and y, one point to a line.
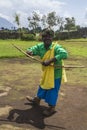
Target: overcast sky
64	8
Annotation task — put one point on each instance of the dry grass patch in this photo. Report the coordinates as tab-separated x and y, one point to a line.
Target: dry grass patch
10	127
5	110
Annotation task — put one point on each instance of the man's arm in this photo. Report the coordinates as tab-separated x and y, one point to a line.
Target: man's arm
34	50
60	53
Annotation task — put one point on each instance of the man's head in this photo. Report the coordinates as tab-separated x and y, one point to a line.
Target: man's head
47	37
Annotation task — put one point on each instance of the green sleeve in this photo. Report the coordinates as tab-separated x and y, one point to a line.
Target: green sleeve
60	53
34	49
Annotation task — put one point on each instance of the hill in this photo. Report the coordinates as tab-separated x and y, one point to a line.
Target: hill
4	23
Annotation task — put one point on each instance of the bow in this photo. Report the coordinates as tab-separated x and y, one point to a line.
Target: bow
33	58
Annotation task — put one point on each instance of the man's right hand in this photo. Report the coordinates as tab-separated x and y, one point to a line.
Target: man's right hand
29	53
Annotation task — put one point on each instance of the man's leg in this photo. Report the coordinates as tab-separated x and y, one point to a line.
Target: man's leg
51	98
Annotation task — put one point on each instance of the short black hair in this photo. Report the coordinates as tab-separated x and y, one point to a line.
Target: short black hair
47	32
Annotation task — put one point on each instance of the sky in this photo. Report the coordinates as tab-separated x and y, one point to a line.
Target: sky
63	8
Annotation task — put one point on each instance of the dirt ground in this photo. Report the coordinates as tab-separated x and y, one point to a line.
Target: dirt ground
71	109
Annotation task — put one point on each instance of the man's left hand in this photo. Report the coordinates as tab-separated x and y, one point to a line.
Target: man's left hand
46	63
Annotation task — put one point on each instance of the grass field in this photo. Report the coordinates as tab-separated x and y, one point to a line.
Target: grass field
75	49
8	51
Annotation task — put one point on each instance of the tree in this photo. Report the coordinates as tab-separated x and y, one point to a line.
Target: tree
34	21
17	20
51	19
24	30
43	20
70	24
60	23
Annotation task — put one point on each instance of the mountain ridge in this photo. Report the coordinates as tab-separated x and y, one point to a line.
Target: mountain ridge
4	23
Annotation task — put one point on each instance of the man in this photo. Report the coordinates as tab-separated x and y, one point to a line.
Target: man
51	56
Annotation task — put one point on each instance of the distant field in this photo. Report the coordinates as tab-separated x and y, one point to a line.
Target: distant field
75	48
8	51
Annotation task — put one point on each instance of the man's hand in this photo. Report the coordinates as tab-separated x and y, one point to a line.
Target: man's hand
29	53
48	62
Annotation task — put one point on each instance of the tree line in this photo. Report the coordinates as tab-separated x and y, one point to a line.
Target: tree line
51	20
66	28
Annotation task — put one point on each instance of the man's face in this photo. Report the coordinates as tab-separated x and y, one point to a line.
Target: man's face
47	39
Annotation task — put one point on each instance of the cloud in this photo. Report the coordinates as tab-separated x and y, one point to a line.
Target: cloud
5	4
84	19
86	13
47	6
25	7
66	14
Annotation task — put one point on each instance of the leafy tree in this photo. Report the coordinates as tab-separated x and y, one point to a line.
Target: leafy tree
17	20
70	24
51	19
34	21
60	23
43	20
25	30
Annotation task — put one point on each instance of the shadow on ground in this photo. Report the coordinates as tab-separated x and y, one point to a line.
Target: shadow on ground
32	116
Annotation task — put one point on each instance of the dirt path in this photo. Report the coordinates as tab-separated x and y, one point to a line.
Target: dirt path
15	84
71	112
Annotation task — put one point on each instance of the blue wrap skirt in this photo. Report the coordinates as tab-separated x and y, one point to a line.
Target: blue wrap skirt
50	96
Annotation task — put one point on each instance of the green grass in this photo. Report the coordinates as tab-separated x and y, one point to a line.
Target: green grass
8	51
75	48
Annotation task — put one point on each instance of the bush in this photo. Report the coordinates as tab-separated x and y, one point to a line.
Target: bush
9	35
28	37
67	35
